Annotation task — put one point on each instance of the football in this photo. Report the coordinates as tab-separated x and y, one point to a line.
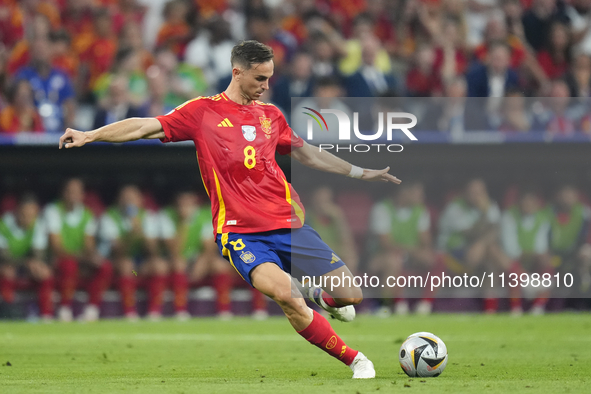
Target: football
423	354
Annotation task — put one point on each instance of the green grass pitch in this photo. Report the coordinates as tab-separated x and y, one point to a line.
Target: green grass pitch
487	354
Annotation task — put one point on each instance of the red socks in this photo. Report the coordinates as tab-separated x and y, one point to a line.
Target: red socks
67	274
180	287
223	287
44	290
99	283
127	285
329	300
7	289
156	287
321	334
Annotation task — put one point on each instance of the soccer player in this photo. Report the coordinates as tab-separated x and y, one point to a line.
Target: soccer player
129	233
72	231
402	226
257	215
525	233
23	243
187	234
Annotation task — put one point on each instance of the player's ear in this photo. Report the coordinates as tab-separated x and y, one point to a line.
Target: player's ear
236	72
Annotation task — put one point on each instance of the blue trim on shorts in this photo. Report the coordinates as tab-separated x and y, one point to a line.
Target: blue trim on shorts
298	252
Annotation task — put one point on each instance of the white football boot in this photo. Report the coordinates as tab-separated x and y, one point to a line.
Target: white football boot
362	367
344	313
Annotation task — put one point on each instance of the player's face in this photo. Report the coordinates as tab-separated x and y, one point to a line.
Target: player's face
254	81
130	197
530	204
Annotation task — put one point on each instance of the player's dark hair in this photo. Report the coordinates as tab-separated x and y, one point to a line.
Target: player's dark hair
251	52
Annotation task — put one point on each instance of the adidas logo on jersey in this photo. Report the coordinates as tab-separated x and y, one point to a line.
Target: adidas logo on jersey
225	123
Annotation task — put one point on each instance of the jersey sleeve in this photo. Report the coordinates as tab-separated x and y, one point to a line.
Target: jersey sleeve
91	227
150	225
183	122
288	139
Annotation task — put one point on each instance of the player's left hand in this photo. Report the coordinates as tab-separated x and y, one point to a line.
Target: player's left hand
379	176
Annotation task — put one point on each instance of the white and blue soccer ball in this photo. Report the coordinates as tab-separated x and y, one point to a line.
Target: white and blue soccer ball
423	354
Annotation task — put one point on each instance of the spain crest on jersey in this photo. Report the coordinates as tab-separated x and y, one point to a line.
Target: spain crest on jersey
249	132
266	126
247	257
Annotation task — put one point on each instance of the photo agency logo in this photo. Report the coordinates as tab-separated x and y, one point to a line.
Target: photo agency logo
344	130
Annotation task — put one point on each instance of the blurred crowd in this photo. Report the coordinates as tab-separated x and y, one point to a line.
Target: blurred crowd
77	243
86	63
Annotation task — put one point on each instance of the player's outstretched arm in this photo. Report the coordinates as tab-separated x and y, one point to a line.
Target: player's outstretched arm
125	130
311	156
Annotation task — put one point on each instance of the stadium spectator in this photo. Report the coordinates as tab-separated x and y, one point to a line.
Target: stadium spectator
450	53
555	59
525	229
298	83
579	76
324	54
326	95
128	63
454	115
494	77
3	75
538	19
23	243
369	80
77	20
175	32
578	12
496	31
555	117
131	37
20	53
12	23
129	233
469	236
72	240
53	91
329	221
159	90
117	105
353	57
101	51
185	81
514	117
21	113
262	27
401	225
209	50
127	12
64	58
570	244
423	79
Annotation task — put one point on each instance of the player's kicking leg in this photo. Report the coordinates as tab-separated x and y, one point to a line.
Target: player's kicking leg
275	283
340	304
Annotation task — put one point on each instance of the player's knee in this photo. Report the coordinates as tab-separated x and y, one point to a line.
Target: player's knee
159	266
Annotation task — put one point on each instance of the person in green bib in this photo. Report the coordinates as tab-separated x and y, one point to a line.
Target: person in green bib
187	232
570	241
23	245
129	236
469	237
72	230
329	221
401	231
525	229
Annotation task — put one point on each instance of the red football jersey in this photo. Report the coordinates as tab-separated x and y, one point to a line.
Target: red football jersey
236	147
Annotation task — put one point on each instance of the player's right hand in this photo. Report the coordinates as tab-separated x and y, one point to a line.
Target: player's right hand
72	139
